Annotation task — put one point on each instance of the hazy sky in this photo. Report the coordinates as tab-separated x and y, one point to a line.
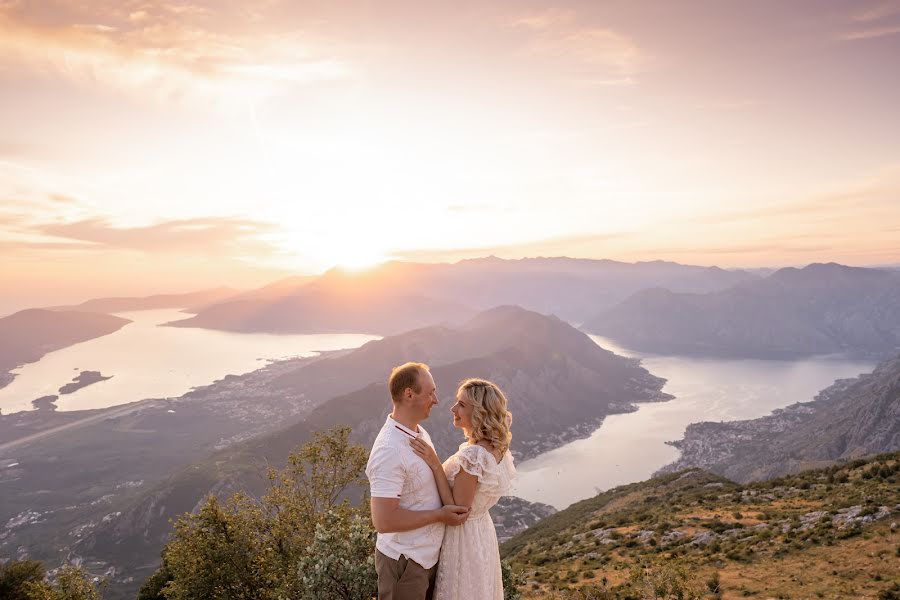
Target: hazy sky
163	146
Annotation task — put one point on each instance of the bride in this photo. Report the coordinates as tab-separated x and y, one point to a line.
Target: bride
476	476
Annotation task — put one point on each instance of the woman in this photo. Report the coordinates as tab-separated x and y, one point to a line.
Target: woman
476	476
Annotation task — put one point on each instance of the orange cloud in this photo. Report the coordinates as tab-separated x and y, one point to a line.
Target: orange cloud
554	17
168	52
209	237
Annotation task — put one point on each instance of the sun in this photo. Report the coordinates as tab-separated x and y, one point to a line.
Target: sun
357	259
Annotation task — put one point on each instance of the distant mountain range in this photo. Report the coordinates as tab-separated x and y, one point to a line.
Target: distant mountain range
819	309
128	303
852	418
220	438
399	296
30	334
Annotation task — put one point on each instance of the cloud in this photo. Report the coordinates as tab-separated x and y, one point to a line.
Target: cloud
875	21
205	236
867	34
169	52
597	55
859	200
553	17
877	12
774	246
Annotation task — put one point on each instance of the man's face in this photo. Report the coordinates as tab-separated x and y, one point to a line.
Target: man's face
427	396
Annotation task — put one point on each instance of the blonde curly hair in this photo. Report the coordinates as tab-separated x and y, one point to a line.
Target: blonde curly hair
490	418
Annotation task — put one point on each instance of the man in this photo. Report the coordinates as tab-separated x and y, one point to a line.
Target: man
406	507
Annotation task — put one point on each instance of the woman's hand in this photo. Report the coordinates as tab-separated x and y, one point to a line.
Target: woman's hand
426	452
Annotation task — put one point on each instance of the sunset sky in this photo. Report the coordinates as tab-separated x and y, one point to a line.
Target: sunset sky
169	146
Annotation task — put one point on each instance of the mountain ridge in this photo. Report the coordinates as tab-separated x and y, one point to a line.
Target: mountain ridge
819	309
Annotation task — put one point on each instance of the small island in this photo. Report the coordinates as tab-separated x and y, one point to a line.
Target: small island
84	379
45	403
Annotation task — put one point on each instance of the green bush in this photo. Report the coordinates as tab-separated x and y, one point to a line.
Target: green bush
512	580
301	540
16	574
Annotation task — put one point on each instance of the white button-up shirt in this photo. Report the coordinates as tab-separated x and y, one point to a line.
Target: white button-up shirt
395	471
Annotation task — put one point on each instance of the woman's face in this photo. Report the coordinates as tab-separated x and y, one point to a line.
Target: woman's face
462	411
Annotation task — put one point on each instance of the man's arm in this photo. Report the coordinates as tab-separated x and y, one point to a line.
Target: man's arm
388	517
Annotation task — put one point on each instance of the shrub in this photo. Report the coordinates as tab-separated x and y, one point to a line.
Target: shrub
301	540
70	583
16	574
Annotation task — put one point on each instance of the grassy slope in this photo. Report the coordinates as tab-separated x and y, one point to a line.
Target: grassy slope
765	540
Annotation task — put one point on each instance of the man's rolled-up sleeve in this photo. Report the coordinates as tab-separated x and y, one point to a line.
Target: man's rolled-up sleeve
385	472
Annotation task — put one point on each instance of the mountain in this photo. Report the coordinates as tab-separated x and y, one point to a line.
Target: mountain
819	309
220	438
192	299
397	295
852	418
827	533
324	311
29	334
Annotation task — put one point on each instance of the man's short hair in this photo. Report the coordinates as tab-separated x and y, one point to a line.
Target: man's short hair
406	376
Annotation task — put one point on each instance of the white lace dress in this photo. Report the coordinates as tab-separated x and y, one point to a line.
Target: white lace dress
469	568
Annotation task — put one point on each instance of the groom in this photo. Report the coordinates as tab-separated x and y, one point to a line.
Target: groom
406	507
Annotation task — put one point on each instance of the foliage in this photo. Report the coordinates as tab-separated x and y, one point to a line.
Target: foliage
512	580
303	539
70	583
14	576
340	563
153	587
667	582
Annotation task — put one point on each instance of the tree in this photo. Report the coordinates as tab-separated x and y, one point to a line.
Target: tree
303	539
14	576
70	583
340	562
153	586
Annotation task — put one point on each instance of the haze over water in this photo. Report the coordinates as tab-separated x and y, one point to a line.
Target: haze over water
148	361
631	447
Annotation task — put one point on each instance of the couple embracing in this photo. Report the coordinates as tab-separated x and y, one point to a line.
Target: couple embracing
436	539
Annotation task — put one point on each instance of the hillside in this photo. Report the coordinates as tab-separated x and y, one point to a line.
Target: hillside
221	437
830	533
853	417
28	335
399	296
559	382
820	309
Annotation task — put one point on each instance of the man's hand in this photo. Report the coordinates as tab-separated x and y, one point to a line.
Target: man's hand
452	514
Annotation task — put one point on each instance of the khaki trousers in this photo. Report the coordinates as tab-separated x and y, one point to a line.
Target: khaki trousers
403	579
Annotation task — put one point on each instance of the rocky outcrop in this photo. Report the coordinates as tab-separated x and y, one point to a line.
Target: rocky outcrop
513	515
